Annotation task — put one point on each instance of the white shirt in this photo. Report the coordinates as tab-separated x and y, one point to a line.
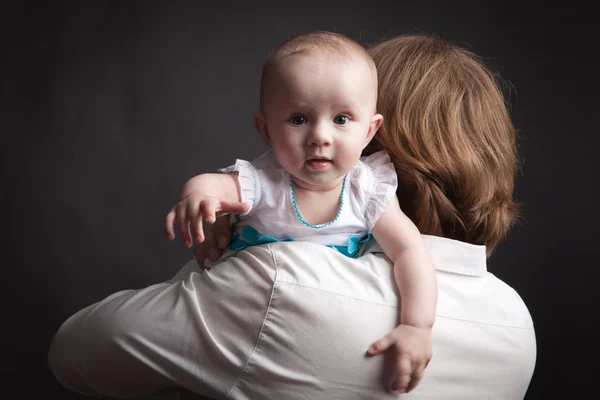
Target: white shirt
293	321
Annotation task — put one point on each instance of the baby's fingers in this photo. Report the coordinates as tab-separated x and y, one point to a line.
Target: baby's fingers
416	377
184	225
209	208
233	207
169	221
403	374
195	214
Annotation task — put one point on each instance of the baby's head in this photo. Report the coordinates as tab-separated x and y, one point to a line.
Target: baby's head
318	106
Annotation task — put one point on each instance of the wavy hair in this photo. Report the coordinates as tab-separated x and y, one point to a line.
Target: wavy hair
448	131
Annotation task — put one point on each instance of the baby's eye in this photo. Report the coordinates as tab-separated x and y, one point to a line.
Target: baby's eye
341	120
297	120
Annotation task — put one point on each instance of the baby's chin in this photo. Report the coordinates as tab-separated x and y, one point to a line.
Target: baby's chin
318	180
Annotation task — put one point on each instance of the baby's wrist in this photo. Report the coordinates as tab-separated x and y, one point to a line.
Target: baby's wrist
417	323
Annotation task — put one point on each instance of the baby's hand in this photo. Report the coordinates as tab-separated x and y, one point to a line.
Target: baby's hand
216	239
192	210
410	352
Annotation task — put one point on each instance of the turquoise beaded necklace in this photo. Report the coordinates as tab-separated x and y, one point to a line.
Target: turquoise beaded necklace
298	211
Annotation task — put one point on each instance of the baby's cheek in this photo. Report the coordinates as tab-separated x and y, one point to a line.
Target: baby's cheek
288	159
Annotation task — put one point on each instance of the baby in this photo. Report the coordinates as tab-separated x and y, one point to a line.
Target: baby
317	113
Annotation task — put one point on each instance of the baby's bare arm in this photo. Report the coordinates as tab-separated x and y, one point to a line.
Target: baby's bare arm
413	268
223	186
410	341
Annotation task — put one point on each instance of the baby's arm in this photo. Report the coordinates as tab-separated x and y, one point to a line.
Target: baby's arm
205	196
413	268
417	283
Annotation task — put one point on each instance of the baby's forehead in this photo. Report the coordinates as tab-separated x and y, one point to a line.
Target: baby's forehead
349	58
322	62
348	67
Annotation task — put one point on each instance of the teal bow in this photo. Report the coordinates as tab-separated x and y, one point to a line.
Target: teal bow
249	236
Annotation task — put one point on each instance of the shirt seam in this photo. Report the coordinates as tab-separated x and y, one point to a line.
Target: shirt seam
262	327
393	306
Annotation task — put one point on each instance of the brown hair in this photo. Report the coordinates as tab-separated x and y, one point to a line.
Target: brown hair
448	131
315	42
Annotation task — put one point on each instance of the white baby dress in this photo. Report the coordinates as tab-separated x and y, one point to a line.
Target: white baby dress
273	216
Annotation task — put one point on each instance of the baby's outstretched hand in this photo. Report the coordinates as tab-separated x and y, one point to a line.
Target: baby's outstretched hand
192	210
410	351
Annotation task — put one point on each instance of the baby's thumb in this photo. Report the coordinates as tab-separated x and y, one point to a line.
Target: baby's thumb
380	346
232	207
199	255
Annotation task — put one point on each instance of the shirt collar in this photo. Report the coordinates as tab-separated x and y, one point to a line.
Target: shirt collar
449	255
455	256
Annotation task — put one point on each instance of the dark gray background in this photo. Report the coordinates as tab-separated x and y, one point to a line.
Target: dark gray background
108	107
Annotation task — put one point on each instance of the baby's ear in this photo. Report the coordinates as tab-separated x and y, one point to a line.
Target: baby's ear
261	126
373	127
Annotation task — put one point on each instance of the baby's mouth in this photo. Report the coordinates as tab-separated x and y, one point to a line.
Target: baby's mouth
319	163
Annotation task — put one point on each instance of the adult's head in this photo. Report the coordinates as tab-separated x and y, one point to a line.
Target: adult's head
448	130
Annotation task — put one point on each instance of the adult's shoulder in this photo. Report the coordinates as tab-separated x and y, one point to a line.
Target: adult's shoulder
468	291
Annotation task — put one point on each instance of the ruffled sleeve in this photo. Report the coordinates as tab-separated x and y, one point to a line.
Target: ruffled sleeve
381	188
248	180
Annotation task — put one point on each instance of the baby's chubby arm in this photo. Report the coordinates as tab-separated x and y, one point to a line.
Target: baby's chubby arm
413	268
204	196
417	283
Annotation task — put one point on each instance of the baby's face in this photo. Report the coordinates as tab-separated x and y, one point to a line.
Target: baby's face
319	114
